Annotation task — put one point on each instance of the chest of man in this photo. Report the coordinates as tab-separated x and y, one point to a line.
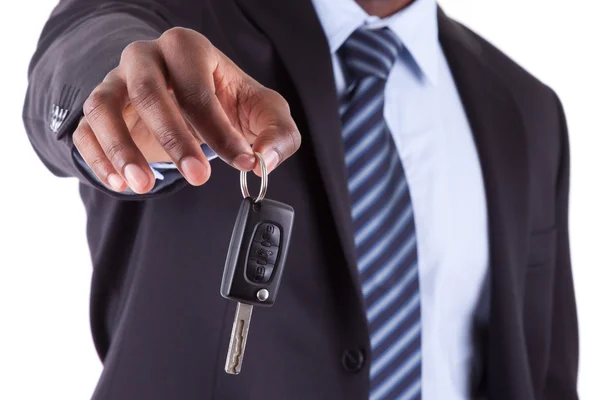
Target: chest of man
156	309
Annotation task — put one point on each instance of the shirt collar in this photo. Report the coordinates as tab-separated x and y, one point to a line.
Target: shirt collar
416	27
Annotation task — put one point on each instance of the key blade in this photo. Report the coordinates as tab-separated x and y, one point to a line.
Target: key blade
239	336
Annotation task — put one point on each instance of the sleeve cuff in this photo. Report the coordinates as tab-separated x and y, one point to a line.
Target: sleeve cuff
166	173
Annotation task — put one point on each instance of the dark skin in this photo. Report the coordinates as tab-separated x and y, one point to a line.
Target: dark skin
383	8
170	95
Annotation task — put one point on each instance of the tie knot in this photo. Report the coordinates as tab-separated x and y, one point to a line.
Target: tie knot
370	52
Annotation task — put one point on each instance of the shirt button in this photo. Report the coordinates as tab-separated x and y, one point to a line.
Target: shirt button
353	360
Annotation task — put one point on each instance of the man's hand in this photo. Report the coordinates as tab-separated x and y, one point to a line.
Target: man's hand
168	96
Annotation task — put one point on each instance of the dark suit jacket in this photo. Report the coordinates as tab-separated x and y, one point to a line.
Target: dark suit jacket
158	321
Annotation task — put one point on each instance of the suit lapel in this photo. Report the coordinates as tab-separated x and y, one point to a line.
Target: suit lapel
501	143
297	36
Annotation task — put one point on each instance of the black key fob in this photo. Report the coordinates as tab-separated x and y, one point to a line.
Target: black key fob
257	252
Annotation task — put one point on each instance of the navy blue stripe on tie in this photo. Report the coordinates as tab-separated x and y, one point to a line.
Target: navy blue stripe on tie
382	213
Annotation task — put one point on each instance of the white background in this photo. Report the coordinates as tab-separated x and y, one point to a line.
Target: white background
46	351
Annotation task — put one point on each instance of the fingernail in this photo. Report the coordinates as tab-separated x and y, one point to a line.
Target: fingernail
136	177
271	159
193	170
115	182
244	161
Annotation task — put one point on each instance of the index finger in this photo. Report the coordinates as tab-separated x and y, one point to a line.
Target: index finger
278	136
191	61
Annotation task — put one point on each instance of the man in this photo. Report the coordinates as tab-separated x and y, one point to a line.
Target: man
430	254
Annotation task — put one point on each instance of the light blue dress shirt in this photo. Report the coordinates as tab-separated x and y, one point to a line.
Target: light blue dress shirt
432	135
426	118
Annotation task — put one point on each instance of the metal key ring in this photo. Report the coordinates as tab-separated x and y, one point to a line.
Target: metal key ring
264	180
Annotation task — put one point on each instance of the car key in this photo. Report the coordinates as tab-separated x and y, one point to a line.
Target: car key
255	260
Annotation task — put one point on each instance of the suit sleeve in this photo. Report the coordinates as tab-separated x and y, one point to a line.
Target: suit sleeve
81	42
561	382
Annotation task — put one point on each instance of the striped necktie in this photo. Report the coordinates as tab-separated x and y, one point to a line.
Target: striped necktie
384	229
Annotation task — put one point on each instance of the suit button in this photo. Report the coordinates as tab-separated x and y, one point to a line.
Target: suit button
353	360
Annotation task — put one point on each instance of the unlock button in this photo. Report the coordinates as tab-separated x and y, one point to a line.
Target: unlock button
268	234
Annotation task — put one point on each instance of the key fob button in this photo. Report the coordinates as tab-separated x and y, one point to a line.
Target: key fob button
263	253
268	233
258	272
